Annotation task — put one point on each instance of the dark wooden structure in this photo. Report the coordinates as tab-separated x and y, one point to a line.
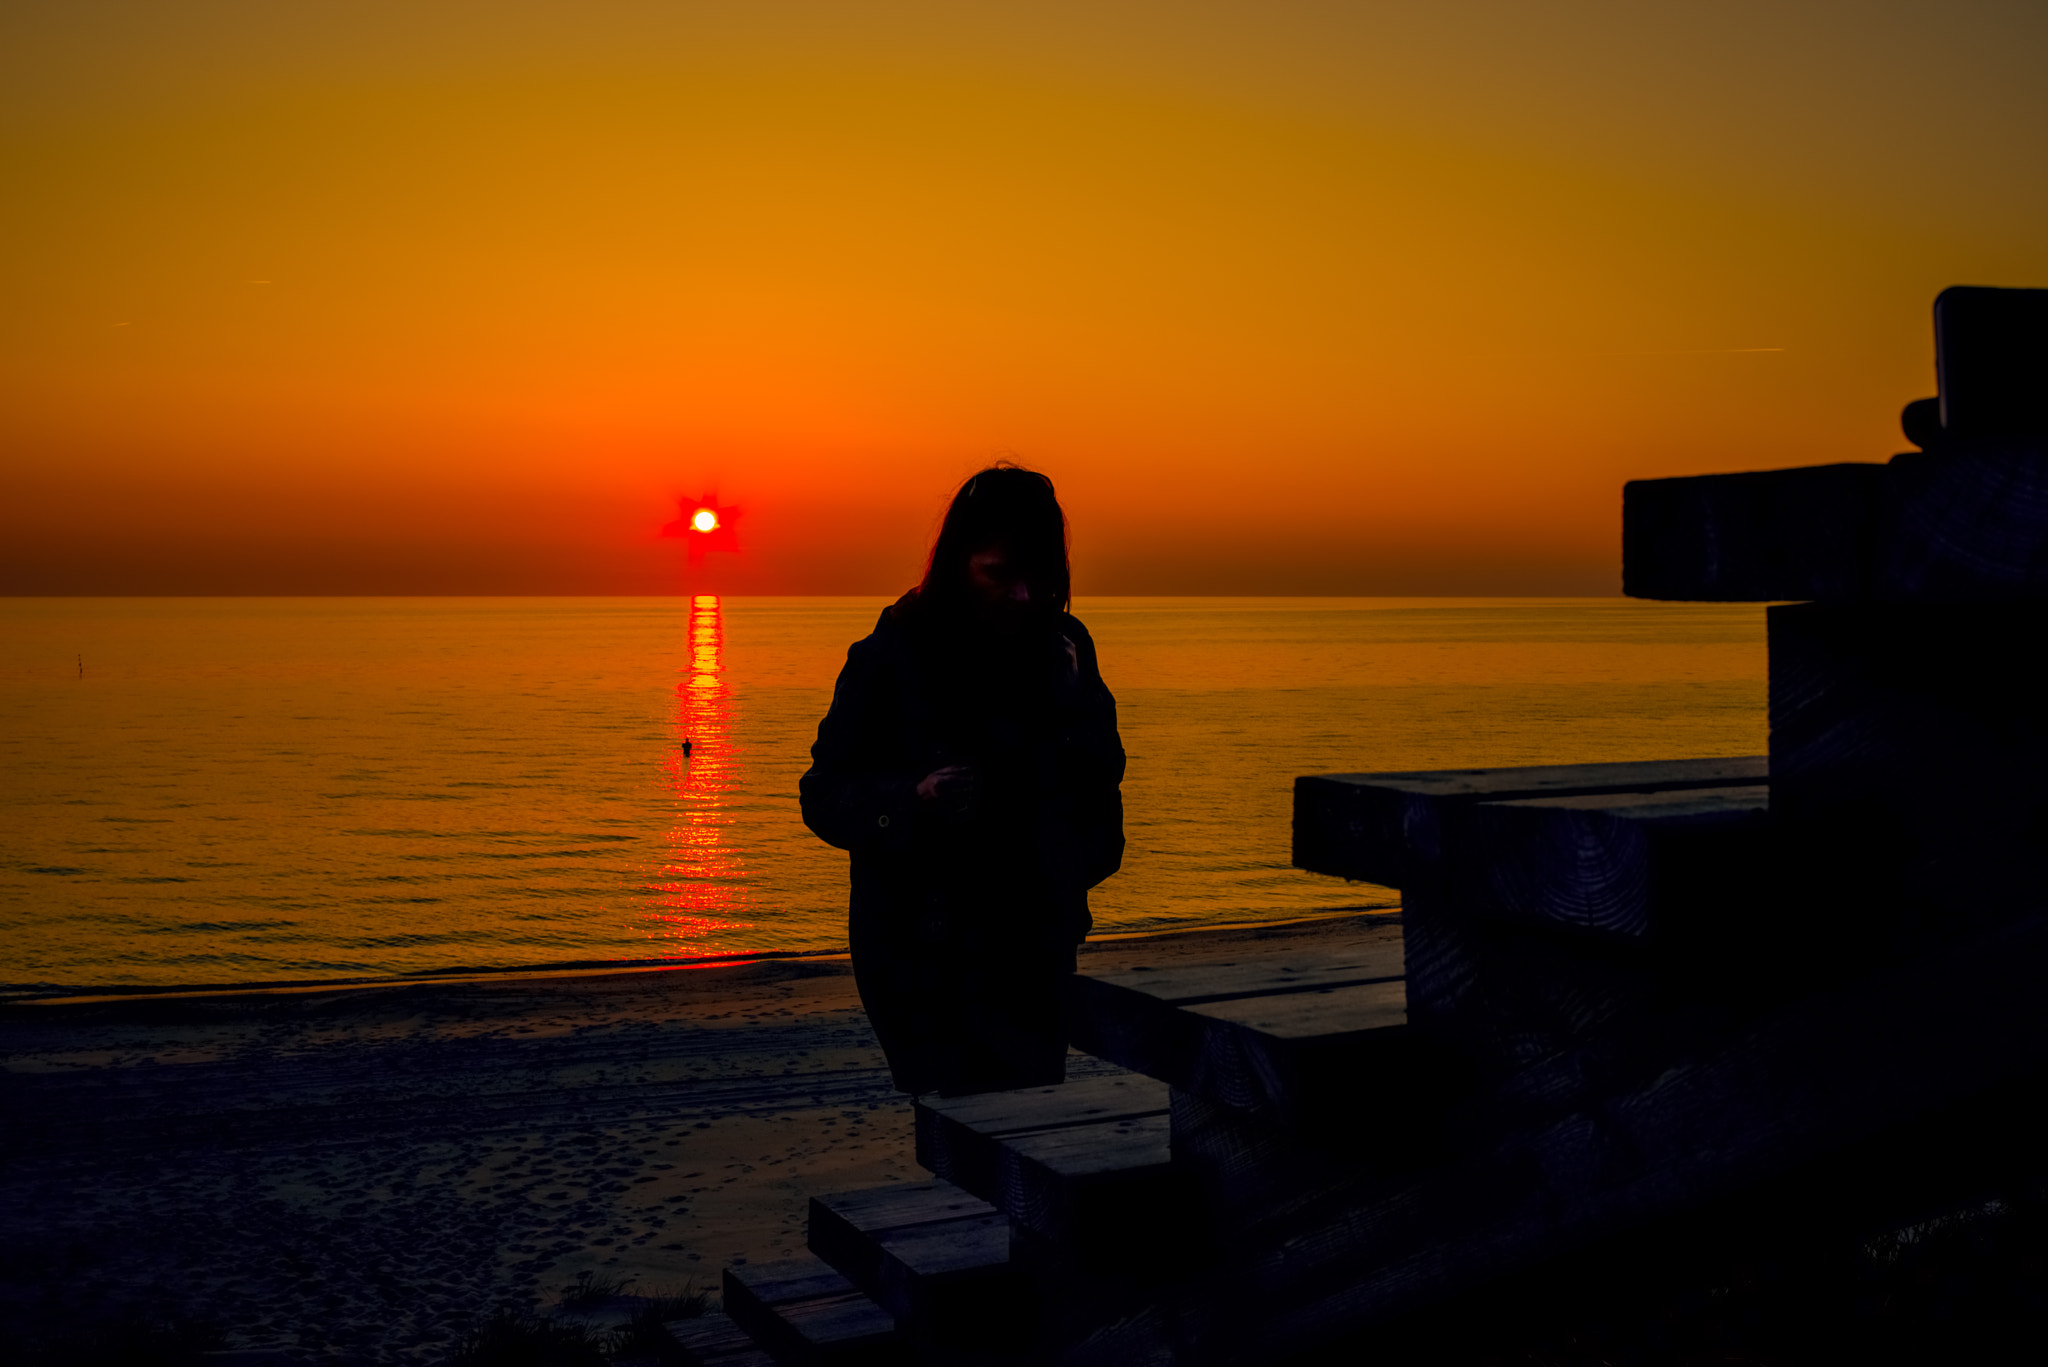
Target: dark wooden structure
1617	995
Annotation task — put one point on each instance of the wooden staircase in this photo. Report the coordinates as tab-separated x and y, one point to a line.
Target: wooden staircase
1617	995
1299	1161
1049	1183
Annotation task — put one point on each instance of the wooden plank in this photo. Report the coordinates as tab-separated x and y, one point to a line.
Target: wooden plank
1639	1127
934	1256
1110	1188
1315	1017
1501	996
809	1315
1087	1162
1911	741
1498	973
1337	1065
1758	536
1966	521
1083	1100
1501	1000
1630	867
903	1204
713	1340
1264	975
1105	1149
1120	1019
961	1138
1330	1063
1991	356
1389	828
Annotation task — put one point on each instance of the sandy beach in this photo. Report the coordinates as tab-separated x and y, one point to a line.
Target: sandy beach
364	1173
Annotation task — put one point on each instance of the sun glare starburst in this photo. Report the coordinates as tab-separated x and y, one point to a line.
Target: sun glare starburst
704	525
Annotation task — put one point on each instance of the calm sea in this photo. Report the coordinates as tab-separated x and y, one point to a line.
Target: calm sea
204	791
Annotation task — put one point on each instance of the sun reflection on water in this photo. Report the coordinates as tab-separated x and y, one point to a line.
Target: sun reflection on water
702	890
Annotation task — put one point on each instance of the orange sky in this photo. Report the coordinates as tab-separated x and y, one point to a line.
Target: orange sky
430	296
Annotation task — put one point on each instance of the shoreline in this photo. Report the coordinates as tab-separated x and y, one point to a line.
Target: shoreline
99	994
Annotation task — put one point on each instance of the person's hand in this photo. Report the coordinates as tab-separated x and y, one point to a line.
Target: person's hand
954	783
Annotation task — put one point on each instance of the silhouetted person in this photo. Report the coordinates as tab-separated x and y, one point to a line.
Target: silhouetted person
971	765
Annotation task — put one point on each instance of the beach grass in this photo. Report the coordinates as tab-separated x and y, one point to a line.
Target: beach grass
521	1338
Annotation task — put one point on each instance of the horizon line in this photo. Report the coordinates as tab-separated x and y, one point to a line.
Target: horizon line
715	593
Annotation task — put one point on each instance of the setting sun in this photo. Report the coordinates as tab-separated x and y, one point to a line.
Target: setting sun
705	520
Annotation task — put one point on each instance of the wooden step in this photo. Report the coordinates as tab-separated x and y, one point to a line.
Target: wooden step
1491	862
1964	519
1084	1163
1990	352
807	1314
1501	997
1318	1044
1964	522
1674	1121
1391	828
1628	867
714	1340
932	1255
1755	537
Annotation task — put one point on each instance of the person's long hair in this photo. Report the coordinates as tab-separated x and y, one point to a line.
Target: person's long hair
1005	505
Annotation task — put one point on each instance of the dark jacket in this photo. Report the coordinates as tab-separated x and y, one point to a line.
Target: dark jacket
1035	721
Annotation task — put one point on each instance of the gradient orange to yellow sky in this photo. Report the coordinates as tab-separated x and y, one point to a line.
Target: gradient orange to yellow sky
449	297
